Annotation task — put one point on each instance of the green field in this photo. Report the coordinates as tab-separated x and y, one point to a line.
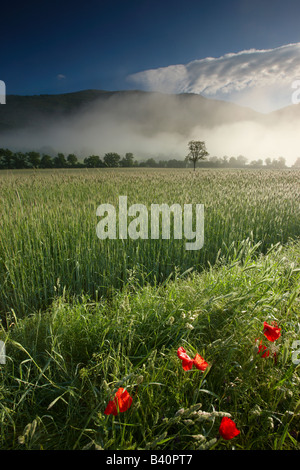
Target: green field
83	316
48	237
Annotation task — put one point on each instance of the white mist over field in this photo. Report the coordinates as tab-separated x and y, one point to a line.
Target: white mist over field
252	140
160	126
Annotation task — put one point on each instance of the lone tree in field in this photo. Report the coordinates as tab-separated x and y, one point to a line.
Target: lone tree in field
197	152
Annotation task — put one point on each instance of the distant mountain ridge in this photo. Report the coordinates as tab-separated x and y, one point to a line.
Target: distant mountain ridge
34	110
21	111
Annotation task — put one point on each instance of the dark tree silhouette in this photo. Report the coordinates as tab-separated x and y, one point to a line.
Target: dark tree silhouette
197	152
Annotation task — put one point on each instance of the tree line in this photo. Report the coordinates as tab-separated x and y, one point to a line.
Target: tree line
33	159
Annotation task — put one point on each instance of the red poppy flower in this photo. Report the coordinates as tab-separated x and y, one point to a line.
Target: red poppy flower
187	362
200	363
228	429
120	403
271	332
261	348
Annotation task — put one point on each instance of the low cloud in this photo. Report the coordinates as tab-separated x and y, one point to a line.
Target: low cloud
160	126
260	79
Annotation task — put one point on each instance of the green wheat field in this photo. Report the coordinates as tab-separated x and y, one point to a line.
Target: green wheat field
82	317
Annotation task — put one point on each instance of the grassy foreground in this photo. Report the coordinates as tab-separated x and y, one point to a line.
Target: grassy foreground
64	365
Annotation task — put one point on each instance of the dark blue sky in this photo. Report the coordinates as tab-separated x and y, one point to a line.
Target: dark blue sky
61	46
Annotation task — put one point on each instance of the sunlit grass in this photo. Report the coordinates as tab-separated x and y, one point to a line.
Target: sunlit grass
64	365
82	317
48	220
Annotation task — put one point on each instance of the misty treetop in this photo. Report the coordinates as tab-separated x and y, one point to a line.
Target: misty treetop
10	160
